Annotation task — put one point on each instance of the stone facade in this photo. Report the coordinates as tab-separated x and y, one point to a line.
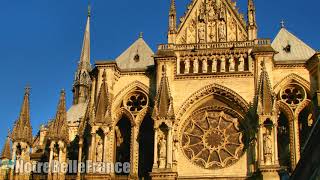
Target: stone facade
212	103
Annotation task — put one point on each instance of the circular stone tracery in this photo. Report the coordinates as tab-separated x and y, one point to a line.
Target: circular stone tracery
293	94
212	139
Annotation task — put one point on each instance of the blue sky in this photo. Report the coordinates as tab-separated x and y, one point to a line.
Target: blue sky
40	42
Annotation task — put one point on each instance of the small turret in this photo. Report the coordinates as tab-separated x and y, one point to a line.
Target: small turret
172	30
252	24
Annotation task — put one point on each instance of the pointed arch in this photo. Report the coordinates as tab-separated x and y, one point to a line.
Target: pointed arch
285	108
213	89
290	79
120	113
135	85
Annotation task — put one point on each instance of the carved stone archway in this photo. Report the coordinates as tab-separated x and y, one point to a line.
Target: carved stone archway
214	89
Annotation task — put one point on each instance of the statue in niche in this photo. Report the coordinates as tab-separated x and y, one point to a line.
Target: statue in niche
99	150
201	33
232	64
267	146
222	32
187	66
162	151
202	13
18	153
55	154
195	66
212	32
241	63
222	14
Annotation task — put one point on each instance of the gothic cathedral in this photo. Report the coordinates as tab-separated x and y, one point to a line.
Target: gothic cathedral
215	102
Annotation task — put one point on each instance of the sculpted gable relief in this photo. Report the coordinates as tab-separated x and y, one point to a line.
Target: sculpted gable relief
211	21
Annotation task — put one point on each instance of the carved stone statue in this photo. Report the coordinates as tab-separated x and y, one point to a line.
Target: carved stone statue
187	66
195	66
267	147
214	64
99	151
204	65
222	32
162	153
232	64
201	33
241	63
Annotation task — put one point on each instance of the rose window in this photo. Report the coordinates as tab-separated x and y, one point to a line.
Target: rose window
293	95
136	102
212	139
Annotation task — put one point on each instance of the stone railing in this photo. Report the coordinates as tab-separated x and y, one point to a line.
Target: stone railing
221	45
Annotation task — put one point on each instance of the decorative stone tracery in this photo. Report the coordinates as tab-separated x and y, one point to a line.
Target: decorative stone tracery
212	139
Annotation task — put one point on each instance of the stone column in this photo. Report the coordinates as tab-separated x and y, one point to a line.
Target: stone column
275	137
14	151
296	140
178	65
205	65
223	64
186	66
93	90
195	65
93	147
50	158
261	154
241	63
214	64
169	148
105	143
79	159
155	153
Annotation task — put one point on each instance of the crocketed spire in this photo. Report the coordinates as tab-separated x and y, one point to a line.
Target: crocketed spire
22	130
82	79
6	151
102	106
58	129
163	108
264	96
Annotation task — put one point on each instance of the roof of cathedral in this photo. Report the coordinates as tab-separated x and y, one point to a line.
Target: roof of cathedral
75	113
138	56
291	48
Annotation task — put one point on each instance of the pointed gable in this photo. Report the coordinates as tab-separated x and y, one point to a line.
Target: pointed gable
22	130
265	97
102	106
138	56
163	108
290	48
58	129
208	21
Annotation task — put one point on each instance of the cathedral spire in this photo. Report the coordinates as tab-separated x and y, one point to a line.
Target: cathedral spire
172	30
22	130
58	129
252	24
82	79
163	102
6	151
